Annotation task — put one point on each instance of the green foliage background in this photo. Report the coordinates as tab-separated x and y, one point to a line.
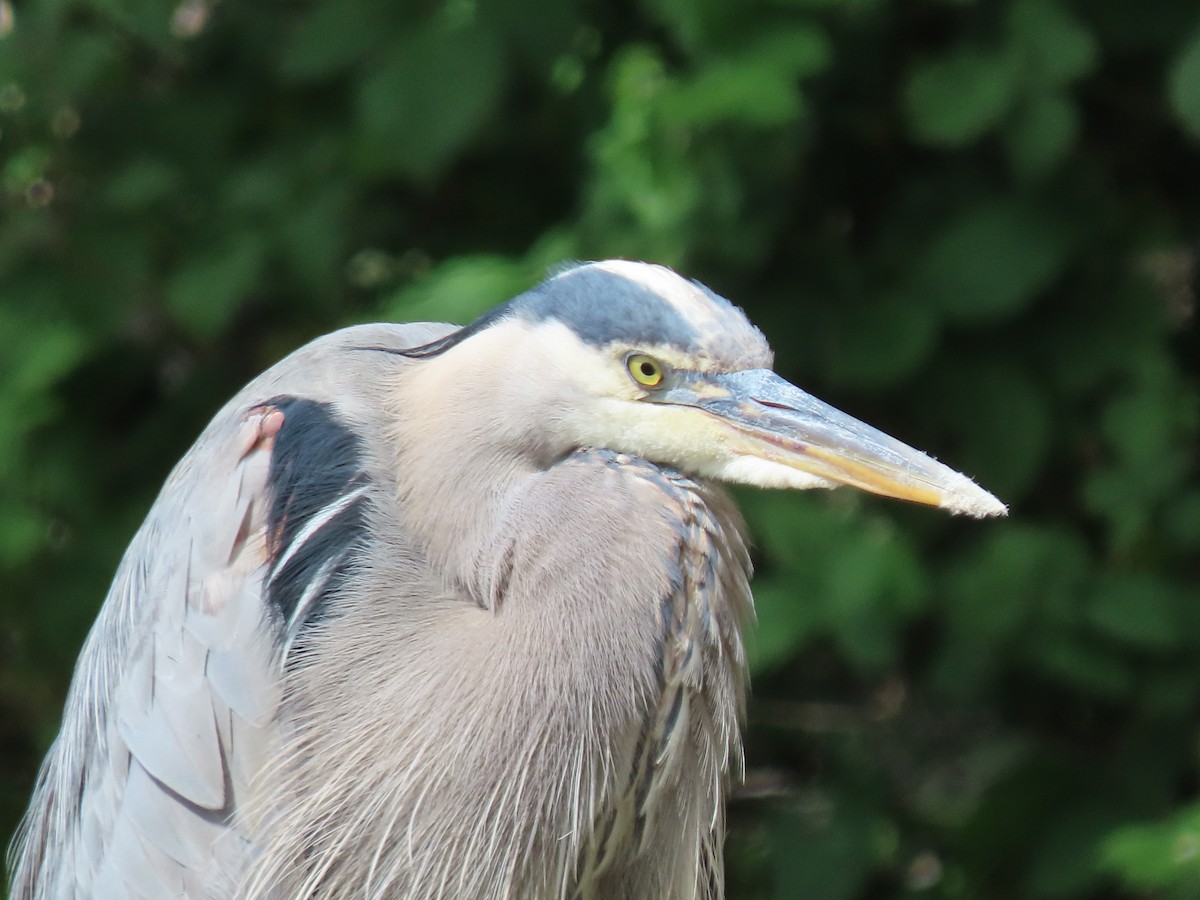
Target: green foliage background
974	224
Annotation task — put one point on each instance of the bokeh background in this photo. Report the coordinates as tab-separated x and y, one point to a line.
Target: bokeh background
973	223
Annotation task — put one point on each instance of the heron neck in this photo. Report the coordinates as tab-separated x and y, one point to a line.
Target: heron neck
466	448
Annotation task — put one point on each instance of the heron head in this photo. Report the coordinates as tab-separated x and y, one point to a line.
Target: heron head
632	357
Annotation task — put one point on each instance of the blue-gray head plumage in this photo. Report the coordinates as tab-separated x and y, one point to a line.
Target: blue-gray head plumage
635	305
643	305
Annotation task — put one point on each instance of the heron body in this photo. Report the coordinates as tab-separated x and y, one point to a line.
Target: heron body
439	612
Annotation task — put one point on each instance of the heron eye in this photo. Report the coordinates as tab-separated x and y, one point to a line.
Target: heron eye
645	371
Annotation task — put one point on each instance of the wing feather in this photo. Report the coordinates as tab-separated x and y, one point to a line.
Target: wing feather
175	735
171	714
145	870
156	815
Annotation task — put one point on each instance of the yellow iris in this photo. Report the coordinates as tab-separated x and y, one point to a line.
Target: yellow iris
645	371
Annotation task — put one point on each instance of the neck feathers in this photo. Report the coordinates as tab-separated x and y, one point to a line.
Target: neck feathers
570	740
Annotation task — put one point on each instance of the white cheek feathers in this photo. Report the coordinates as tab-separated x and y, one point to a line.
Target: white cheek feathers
764	473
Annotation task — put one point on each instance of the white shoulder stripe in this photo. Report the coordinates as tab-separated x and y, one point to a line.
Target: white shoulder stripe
314	524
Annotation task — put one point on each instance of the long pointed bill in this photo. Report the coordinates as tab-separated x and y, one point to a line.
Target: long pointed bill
771	423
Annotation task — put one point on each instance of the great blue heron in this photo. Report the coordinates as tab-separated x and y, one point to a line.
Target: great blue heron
431	612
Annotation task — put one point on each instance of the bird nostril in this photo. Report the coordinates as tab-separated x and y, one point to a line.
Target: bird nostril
773	405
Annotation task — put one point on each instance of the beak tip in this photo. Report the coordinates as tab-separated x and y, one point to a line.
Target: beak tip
970	499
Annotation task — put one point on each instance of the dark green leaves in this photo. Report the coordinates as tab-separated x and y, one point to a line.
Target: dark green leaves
992	260
1157	856
1185	85
971	223
1017	86
956	99
435	88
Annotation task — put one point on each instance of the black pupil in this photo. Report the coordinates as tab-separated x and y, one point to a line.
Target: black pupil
648	369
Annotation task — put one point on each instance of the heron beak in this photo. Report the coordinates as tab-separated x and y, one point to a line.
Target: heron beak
765	419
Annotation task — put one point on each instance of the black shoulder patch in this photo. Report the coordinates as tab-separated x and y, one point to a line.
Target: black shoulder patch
317	516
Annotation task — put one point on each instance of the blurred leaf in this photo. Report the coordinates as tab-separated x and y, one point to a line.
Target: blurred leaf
542	31
1170	695
35	351
259	186
1183	518
1041	134
885	342
643	181
437	89
22	168
1123	500
86	59
824	848
1025	571
1085	351
954	100
874	581
992	260
1064	857
332	37
951	794
313	236
1079	663
1018	578
1056	46
838	576
1009	447
461	289
784	622
141	184
1147	429
1148	857
1185	85
1142	422
205	293
696	24
758	85
22	531
148	19
1138	608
